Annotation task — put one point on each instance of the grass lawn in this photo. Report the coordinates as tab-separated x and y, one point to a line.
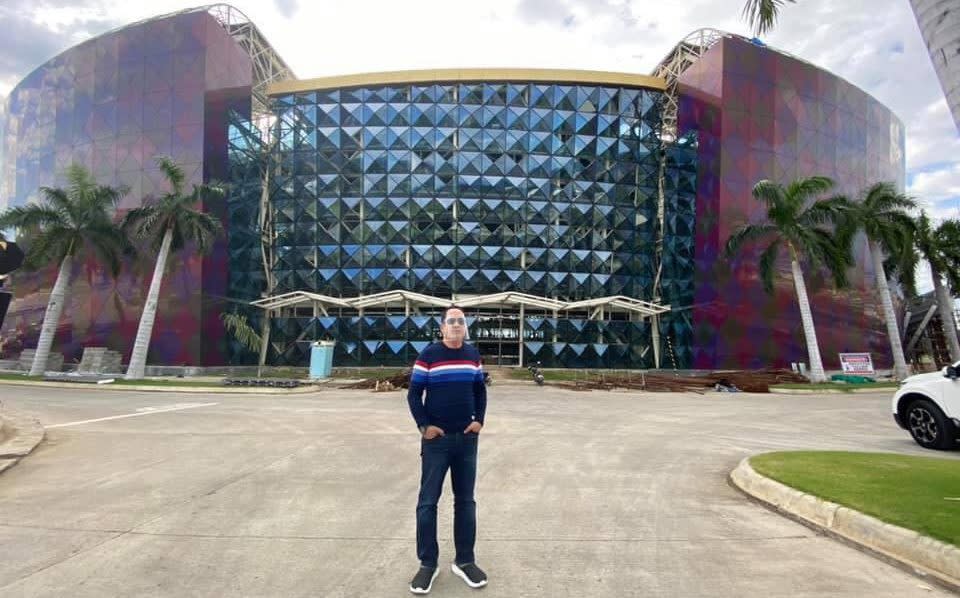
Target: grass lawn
918	493
839	386
20	377
172	382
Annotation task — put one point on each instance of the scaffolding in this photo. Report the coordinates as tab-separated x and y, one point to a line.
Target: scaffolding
684	55
268	66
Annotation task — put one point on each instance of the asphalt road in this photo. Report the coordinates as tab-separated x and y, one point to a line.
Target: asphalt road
579	494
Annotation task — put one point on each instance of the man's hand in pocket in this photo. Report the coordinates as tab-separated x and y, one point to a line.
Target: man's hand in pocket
432	432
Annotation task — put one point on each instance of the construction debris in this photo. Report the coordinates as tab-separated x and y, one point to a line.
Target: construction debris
401	380
726	380
741	380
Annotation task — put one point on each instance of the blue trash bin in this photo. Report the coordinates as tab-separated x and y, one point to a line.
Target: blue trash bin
321	359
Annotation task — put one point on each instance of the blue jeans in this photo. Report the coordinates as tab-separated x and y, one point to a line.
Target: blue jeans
458	452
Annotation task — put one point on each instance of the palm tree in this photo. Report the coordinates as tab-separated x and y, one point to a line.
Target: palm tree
881	213
238	325
793	224
168	224
762	15
941	248
62	227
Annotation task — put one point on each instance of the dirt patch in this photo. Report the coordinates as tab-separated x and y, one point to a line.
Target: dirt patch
734	380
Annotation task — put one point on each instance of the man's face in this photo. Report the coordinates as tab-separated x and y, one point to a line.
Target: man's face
454	326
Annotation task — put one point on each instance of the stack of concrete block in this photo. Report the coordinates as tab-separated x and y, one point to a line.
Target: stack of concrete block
54	360
99	360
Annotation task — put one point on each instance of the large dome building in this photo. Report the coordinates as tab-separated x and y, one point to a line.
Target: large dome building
577	215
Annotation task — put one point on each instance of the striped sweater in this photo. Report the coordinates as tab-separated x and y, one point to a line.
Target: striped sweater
453	381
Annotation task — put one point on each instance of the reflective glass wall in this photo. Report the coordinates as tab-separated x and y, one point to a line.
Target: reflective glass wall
759	115
112	104
473	188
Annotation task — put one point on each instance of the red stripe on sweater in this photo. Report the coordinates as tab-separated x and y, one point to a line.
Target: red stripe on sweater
456	362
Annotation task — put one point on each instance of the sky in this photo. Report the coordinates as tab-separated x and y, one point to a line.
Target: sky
874	44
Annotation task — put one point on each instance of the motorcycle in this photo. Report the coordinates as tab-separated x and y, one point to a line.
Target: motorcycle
536	373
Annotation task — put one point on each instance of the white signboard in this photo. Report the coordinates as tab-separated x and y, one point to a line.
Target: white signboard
856	363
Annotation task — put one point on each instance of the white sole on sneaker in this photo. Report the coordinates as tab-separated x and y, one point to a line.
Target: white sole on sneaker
436	572
459	573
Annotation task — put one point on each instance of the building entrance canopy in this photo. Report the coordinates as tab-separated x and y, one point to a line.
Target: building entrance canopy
505	326
410	301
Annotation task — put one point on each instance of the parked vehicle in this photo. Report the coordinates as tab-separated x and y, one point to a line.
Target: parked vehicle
536	373
928	406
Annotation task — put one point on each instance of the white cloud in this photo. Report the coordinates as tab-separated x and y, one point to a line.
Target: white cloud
932	137
875	44
938	190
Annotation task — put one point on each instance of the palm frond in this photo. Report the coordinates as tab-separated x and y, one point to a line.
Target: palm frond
237	325
31	216
902	258
892	232
201	228
48	247
948	239
804	189
761	15
820	246
883	197
173	172
108	198
746	234
108	242
177	212
58	200
827	211
769	192
768	265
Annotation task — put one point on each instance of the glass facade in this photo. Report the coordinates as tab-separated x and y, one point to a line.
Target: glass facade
112	104
760	114
461	189
450	189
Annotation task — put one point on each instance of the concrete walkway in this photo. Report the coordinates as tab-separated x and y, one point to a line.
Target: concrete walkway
580	494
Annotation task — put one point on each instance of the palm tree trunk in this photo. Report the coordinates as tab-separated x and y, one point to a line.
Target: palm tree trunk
945	306
264	339
896	347
138	359
806	316
51	318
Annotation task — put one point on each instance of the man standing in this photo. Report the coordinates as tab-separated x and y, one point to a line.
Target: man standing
450	421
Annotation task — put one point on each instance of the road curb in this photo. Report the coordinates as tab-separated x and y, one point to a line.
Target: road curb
21	434
804	391
920	554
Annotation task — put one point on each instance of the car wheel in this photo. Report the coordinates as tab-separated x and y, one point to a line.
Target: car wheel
929	426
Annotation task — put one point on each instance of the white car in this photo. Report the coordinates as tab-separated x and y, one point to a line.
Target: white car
928	406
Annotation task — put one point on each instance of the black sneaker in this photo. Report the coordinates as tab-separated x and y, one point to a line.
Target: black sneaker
423	580
471	574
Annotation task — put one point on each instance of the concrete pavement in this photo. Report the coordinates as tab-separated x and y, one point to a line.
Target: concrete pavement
606	494
924	555
20	433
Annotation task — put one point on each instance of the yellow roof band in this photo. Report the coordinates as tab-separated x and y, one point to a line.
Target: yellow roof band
430	76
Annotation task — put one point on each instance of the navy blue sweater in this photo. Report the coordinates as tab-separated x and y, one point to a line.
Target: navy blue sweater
453	381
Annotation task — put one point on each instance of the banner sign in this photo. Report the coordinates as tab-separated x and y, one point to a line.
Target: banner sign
856	363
